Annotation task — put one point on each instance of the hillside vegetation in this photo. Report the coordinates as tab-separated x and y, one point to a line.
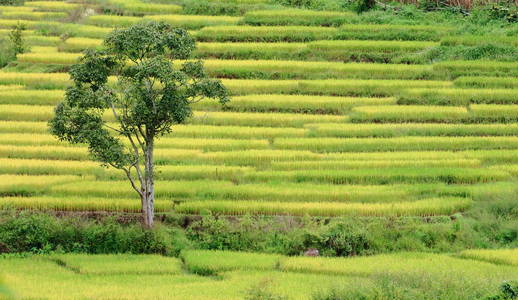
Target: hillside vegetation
389	131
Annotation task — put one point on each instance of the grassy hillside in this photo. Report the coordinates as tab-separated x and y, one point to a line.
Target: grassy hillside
390	131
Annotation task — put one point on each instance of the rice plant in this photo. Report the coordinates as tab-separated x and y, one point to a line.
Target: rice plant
396	144
409	129
286	17
268	69
260	119
366	87
391	32
486	82
264	33
54	5
382	176
31	97
409	113
427	207
458	96
493	113
295	103
458	68
207	262
193	21
498	256
120	264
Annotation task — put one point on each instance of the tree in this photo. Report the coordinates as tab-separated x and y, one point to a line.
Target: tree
151	94
16	38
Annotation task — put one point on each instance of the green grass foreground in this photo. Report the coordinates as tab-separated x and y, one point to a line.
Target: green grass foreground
239	275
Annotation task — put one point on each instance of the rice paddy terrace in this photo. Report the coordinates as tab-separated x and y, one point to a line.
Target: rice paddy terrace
329	117
323	121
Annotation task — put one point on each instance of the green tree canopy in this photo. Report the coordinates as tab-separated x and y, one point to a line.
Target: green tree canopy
150	94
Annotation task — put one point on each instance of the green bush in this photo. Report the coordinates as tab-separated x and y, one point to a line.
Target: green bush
12	2
38	232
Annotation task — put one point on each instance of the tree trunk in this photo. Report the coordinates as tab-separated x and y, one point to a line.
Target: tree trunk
148	190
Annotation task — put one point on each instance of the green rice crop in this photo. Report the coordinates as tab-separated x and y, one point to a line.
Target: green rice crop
32	97
458	68
23	127
111	20
37	16
49	58
475	40
391	32
37	80
383	176
75	203
257	157
410	129
260	119
427	207
498	256
394	47
80	44
245	86
457	96
138	7
295	103
486	156
379	164
44	152
166	190
13	112
270	69
176	143
366	87
486	82
54	5
233	132
211	144
252	50
397	264
120	264
291	192
194	21
11	185
296	17
493	112
15	8
396	144
264	33
409	113
209	262
46	167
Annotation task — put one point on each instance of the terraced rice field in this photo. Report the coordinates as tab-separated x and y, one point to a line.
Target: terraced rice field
322	122
202	274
